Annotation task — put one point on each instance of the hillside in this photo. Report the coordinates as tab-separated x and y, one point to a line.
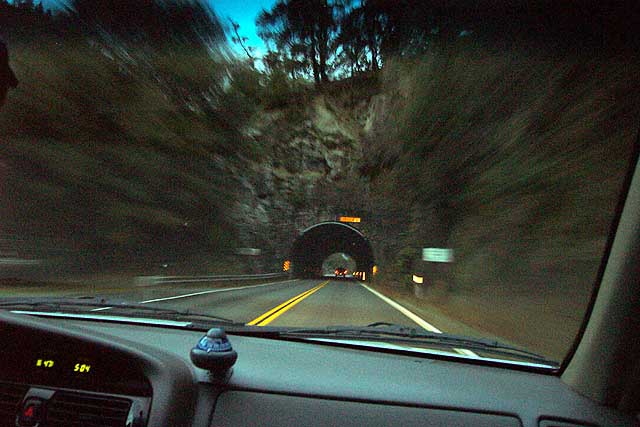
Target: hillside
516	166
516	162
309	152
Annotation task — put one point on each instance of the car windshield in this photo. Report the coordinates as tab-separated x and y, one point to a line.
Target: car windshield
417	174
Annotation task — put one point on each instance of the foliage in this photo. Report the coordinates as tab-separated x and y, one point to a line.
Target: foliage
512	159
340	38
117	140
302	29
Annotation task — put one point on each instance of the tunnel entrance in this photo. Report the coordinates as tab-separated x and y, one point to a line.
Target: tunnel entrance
318	242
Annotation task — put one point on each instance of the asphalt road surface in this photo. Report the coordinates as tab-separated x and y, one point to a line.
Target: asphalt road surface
291	303
318	302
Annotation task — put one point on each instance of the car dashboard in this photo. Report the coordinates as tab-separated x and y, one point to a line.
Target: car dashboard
61	372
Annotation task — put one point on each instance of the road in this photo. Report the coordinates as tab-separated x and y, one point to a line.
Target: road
291	303
317	302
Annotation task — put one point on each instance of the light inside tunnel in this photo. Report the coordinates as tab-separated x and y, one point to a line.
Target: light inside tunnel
317	243
337	261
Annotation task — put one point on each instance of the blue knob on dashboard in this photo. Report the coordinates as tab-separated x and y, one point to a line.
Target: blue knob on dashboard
214	352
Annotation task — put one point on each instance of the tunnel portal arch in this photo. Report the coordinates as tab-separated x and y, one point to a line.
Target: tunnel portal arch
319	241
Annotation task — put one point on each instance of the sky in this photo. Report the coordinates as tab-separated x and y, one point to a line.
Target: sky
244	12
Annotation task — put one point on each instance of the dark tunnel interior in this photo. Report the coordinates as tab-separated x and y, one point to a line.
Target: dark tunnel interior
319	241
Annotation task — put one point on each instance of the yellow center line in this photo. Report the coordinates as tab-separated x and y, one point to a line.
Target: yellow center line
275	312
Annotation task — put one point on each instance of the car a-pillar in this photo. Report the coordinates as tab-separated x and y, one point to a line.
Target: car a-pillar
319	241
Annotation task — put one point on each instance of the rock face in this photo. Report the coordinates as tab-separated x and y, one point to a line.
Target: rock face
303	151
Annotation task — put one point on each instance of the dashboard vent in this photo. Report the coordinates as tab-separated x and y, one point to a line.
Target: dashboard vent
10	397
82	410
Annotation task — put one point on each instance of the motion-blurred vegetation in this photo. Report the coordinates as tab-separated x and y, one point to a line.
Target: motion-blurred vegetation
118	135
514	159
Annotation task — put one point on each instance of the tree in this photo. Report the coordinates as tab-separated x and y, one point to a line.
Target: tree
349	45
25	5
303	30
362	31
396	28
240	40
371	16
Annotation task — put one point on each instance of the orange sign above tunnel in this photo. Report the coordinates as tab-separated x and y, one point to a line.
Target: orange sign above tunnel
349	219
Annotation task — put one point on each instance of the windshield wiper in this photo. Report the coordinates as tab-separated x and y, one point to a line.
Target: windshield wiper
82	304
388	332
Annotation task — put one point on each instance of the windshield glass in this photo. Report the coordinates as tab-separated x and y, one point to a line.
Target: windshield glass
409	165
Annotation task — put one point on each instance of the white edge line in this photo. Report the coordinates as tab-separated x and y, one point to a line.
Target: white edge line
420	321
212	291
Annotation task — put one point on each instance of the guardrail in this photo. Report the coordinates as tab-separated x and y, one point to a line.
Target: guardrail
158	280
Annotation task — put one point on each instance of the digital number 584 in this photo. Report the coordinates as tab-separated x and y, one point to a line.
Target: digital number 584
81	367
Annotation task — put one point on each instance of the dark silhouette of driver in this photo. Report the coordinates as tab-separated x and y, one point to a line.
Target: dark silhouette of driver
7	76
